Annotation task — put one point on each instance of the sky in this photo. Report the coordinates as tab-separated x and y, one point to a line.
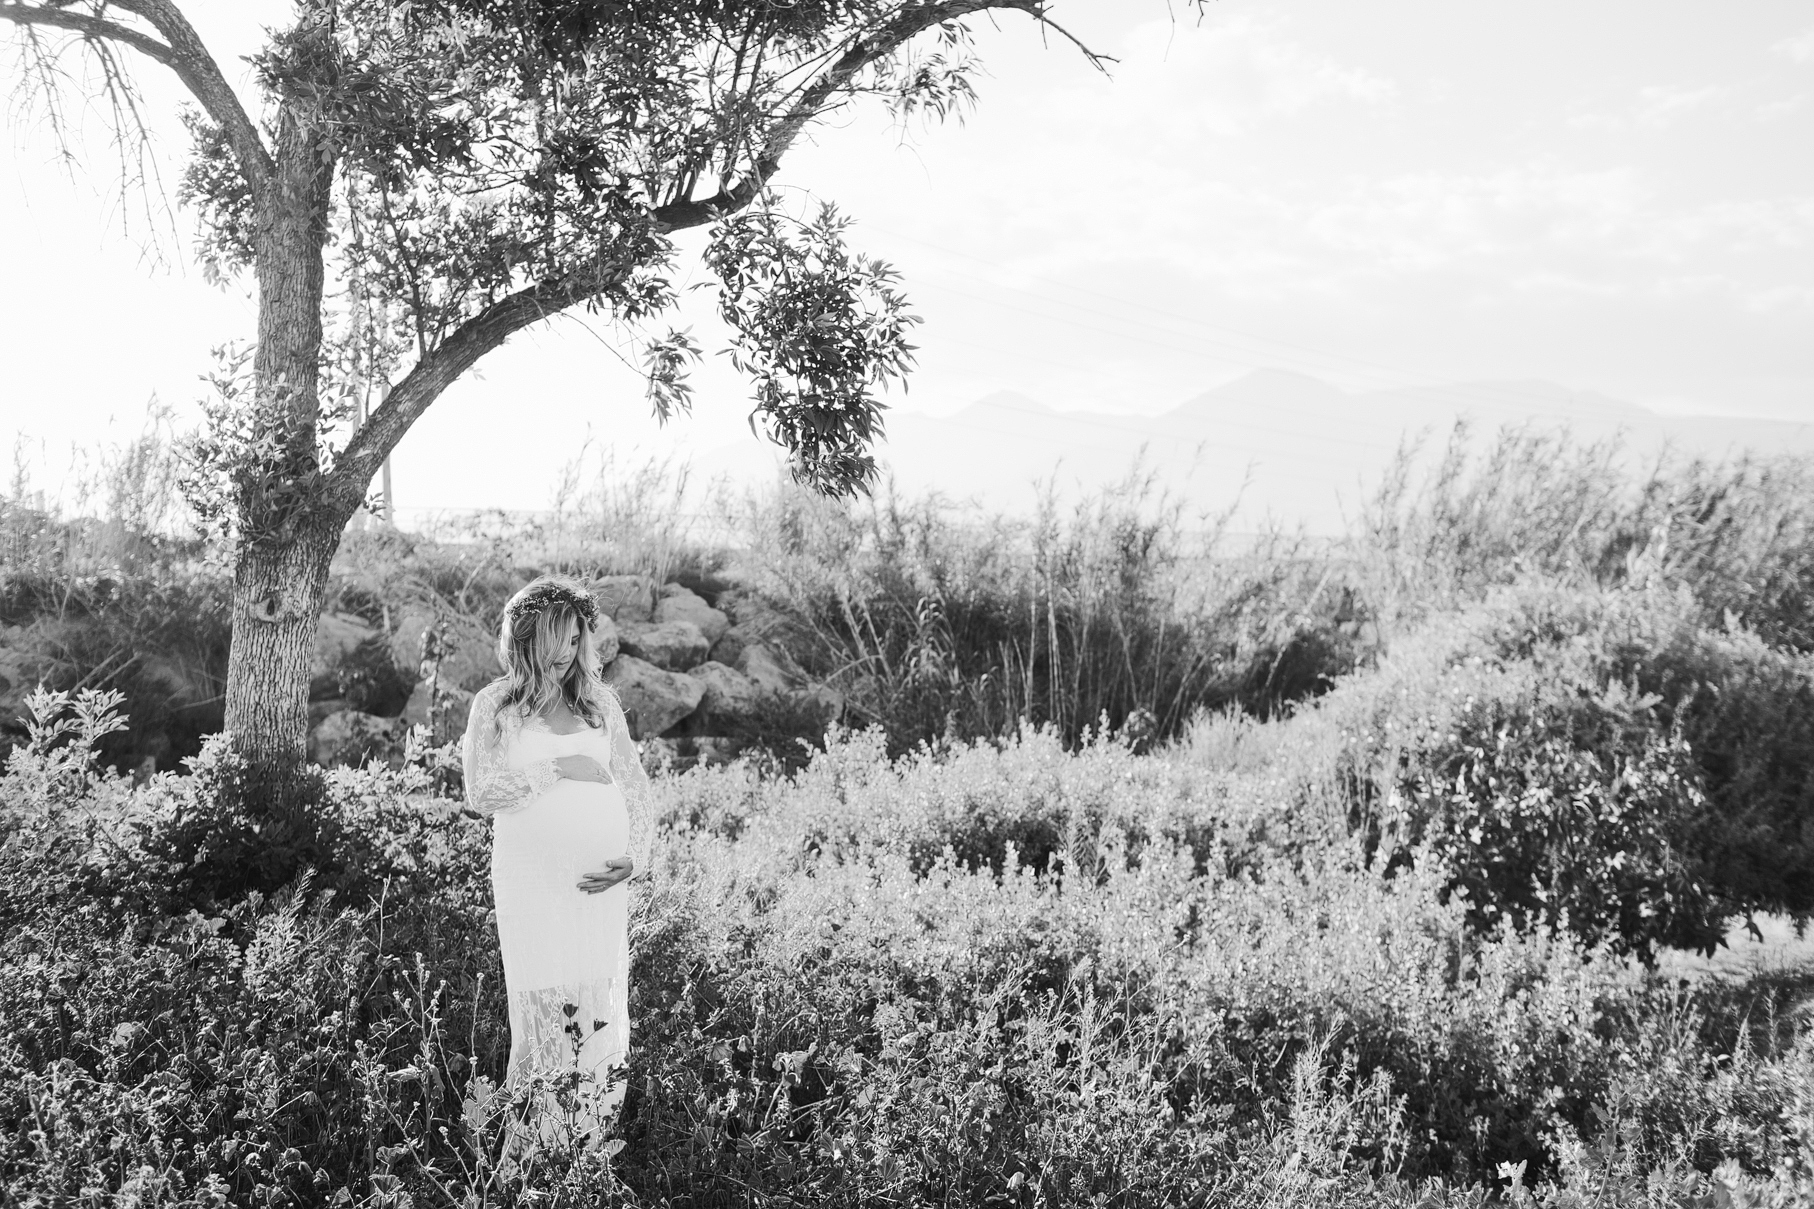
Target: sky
1615	197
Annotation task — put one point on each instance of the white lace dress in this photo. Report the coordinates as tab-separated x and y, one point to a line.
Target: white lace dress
566	952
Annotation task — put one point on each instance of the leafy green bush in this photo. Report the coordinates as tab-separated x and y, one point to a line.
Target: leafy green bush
225	1056
1003	973
159	639
803	919
1595	759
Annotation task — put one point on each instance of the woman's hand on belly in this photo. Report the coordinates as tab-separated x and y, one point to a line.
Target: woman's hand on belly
582	768
617	869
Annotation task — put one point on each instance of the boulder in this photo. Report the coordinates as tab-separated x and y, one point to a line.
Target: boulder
712	584
683	752
454	705
714	751
731	699
352	660
319	710
653	697
468	656
773	671
682	604
605	640
827	701
625	597
350	737
369	679
729	648
406	639
421	700
176	680
22	666
336	637
672	645
472	665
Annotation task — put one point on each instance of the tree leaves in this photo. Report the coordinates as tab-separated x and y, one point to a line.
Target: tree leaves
667	359
216	188
818	328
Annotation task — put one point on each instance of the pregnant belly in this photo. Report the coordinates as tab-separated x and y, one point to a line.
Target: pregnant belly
574	827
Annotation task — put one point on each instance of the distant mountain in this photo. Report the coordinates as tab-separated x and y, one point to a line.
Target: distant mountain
1288	446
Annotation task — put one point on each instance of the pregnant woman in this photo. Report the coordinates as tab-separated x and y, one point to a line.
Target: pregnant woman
548	755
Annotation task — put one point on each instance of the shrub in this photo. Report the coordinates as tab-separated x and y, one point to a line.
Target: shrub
1737	535
939	624
160	640
1594	756
1567	813
1207	987
233	1054
1007	973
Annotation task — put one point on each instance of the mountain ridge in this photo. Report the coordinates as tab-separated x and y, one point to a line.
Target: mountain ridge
1292	448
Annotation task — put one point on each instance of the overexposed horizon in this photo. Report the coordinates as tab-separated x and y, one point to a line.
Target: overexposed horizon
1614	198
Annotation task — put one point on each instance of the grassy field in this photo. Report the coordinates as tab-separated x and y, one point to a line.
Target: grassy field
1009	974
1395	874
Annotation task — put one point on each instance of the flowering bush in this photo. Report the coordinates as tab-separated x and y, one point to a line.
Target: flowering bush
1005	975
1597	760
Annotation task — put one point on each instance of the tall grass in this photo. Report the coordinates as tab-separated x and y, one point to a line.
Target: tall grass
943	623
1381	945
939	622
643	517
119	512
1529	504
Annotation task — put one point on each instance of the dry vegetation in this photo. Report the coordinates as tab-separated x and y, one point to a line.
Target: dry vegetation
1144	873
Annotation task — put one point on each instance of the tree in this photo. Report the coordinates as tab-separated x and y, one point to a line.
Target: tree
428	177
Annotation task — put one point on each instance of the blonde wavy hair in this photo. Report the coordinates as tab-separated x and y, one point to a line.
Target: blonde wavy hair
531	639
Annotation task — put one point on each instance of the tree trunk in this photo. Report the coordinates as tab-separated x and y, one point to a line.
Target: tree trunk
291	276
278	591
286	533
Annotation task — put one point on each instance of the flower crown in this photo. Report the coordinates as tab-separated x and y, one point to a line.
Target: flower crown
539	598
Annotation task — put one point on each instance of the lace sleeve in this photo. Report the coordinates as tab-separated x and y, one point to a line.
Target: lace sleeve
627	770
493	786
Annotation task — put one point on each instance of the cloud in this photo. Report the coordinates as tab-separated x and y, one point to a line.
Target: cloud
1662	104
1783	107
1536	228
1659	107
1799	48
1780	300
1269	169
1761	226
1231	79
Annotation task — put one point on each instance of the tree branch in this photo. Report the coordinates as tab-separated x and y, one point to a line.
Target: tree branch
1097	59
88	27
201	75
441	366
182	52
912	20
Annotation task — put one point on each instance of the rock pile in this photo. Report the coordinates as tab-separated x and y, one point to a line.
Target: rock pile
172	693
683	669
